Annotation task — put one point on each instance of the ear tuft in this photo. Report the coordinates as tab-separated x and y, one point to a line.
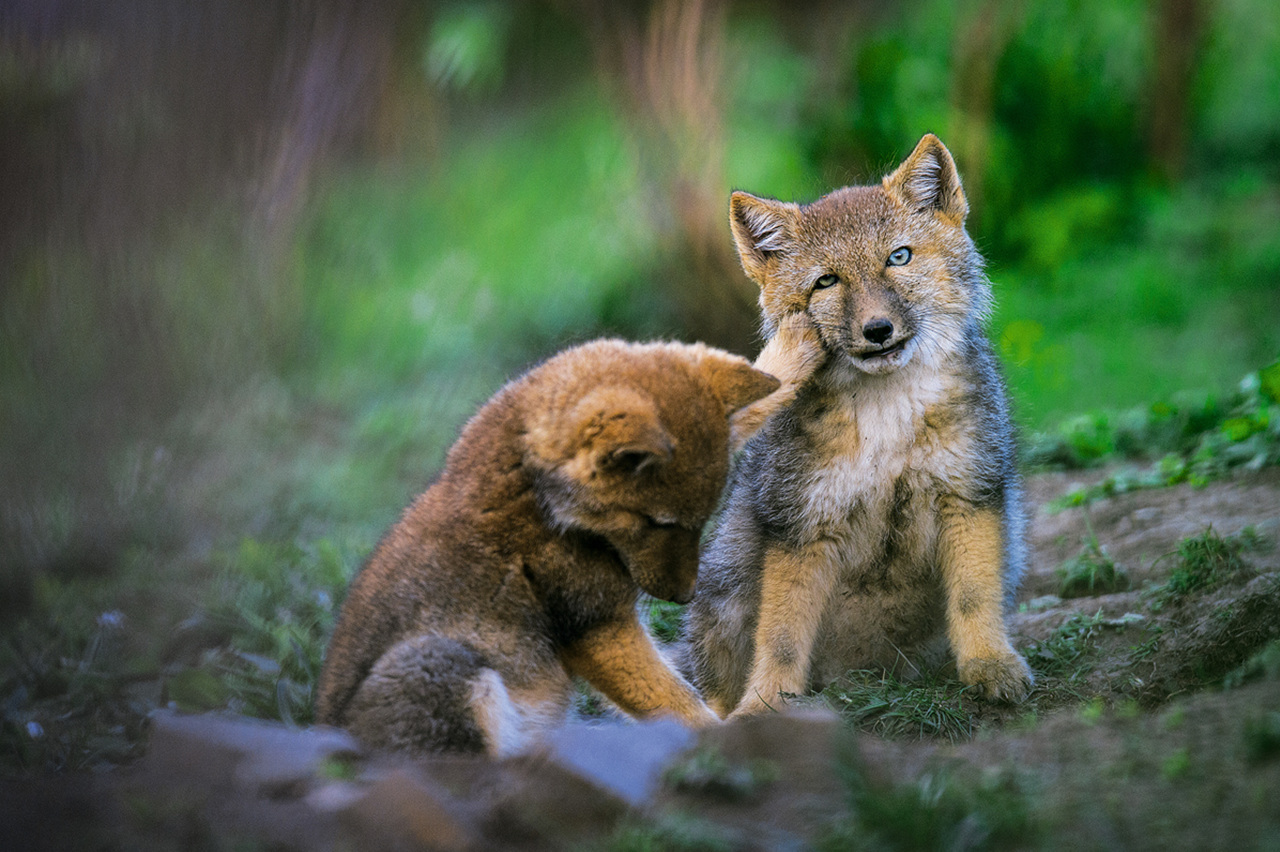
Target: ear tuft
927	181
761	228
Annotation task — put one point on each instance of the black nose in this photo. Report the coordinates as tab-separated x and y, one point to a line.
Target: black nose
878	330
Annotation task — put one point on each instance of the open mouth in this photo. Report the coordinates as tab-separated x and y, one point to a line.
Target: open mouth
886	352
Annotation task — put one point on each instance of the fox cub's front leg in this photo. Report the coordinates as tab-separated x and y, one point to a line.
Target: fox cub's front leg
795	587
972	556
620	660
791	356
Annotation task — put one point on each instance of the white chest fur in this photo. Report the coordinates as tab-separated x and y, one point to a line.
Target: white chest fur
866	442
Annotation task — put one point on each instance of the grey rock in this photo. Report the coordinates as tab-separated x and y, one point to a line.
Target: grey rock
625	759
217	752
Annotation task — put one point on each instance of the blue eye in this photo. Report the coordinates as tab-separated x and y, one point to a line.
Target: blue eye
826	281
899	257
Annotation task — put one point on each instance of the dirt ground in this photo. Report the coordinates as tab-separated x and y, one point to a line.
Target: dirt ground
1154	724
1130	739
1137	743
1142	649
1142	527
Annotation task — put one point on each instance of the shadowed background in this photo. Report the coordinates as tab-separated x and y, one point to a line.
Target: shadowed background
259	260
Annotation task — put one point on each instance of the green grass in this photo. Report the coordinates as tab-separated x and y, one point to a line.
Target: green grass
937	810
666	833
879	703
275	605
1205	562
707	772
1067	652
662	618
1090	572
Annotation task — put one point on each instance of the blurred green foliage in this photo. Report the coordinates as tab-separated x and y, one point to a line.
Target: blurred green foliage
486	260
936	811
465	46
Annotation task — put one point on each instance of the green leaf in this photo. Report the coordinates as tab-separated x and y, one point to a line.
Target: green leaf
1269	379
1238	428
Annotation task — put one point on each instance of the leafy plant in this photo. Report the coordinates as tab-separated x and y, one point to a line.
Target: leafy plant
1192	440
276	608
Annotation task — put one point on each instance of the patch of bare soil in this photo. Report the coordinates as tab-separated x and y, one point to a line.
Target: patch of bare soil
1141	528
1143	642
1131	739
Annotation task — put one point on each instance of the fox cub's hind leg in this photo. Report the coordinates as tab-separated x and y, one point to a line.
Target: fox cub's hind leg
716	648
430	694
972	555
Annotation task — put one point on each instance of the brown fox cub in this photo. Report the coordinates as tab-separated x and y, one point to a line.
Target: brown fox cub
577	485
879	511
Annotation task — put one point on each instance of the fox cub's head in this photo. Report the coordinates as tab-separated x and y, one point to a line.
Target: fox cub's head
887	273
630	442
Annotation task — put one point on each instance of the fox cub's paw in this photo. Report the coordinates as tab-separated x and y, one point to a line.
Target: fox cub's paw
794	352
755	705
1003	678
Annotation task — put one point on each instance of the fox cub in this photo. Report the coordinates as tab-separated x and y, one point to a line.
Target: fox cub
879	511
579	484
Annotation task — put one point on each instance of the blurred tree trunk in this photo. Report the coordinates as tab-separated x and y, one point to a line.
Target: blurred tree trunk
335	62
666	61
153	159
1178	31
979	43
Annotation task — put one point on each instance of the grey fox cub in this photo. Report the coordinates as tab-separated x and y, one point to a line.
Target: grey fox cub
880	510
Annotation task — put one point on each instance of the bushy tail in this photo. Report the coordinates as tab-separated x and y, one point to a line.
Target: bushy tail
429	694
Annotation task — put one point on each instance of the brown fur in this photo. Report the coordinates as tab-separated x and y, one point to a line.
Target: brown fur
576	486
878	511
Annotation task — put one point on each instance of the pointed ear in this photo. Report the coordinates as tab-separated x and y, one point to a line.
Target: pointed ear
632	443
618	431
761	228
927	181
633	459
735	382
